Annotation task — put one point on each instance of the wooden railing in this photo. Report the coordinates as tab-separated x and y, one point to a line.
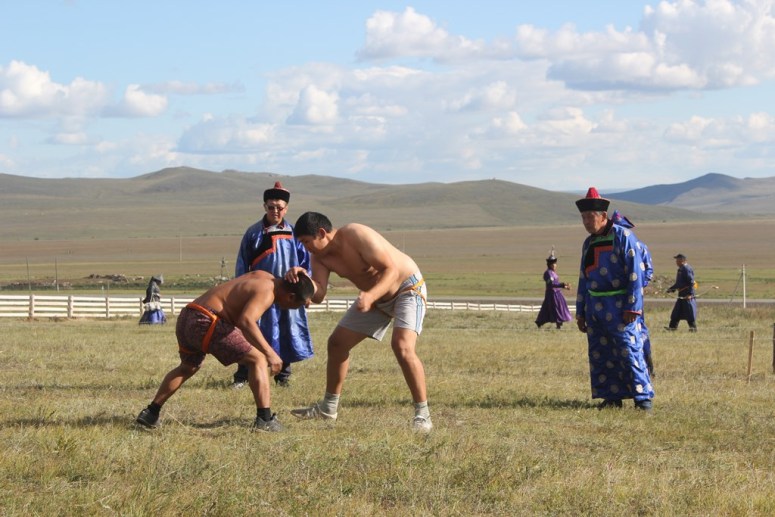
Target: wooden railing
45	306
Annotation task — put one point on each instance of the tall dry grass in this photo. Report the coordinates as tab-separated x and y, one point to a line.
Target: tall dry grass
516	432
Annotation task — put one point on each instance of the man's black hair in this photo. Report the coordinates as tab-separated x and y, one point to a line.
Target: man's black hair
303	289
308	224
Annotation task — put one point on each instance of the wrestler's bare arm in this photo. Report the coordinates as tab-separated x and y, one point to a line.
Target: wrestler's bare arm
258	297
320	274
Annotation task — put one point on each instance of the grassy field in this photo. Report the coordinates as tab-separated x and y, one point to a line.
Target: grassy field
486	262
516	432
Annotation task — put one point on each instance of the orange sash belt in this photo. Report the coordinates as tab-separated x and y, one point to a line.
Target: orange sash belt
416	288
213	320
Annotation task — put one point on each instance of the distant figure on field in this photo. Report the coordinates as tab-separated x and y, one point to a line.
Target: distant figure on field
648	276
269	245
222	322
554	308
609	306
685	307
153	314
391	288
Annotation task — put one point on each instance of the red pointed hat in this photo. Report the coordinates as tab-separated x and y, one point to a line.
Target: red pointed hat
278	192
593	202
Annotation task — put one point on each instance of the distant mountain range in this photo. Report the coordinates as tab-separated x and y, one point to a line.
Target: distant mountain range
712	193
188	201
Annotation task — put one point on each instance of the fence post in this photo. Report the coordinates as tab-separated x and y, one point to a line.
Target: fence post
750	355
107	307
70	306
773	348
31	313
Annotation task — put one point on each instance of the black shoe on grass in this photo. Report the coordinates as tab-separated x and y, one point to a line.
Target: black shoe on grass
610	404
272	425
644	405
148	419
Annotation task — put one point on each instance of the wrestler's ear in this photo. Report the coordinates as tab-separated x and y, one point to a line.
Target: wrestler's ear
291	300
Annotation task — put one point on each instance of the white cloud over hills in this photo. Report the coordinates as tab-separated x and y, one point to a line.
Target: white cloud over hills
679	92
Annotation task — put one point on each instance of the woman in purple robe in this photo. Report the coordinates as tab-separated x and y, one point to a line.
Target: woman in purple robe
554	309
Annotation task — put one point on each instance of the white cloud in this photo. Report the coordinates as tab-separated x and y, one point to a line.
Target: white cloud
510	124
497	95
761	127
193	88
315	107
544	107
6	162
734	132
138	103
69	138
28	92
684	44
566	121
228	135
390	34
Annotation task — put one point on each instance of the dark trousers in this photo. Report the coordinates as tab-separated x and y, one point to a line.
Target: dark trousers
684	309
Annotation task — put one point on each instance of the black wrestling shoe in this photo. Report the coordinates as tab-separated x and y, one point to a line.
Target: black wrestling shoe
148	419
644	405
610	404
272	425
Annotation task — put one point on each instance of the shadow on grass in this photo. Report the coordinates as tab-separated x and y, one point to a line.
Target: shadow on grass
127	421
489	402
150	384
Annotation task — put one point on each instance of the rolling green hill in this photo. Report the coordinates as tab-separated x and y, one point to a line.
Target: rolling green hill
193	202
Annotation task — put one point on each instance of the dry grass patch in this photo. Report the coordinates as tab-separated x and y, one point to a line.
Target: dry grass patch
515	429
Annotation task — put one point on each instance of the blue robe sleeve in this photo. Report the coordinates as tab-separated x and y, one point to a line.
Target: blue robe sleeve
581	290
250	241
632	259
648	265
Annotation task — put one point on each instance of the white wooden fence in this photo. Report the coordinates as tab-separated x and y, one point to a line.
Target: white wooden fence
44	306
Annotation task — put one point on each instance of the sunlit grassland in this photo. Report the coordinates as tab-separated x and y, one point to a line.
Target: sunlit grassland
516	432
466	262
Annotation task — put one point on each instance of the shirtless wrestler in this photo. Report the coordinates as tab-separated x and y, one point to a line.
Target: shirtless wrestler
391	288
222	322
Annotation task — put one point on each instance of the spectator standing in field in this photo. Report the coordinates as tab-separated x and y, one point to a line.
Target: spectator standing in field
554	308
269	245
609	306
153	314
648	276
685	307
391	288
222	322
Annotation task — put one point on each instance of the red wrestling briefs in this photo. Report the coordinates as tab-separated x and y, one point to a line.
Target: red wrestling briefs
213	321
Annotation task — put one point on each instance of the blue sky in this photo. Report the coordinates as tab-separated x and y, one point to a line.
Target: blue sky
559	95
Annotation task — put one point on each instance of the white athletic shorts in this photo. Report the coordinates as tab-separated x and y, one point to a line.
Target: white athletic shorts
407	308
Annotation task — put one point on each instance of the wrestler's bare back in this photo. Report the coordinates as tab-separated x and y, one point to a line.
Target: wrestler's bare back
362	255
247	296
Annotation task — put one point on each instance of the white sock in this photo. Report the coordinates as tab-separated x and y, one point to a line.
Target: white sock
421	409
329	404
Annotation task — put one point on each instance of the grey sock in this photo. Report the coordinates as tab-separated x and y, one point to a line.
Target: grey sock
421	409
330	403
